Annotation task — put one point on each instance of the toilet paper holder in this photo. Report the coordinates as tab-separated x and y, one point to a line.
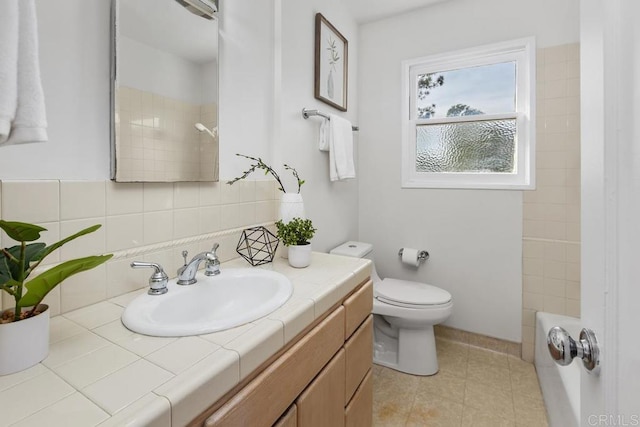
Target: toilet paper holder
422	254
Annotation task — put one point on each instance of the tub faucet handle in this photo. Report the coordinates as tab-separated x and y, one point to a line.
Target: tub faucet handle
563	348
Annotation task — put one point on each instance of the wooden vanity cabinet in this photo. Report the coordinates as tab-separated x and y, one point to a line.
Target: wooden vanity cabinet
289	419
323	379
321	404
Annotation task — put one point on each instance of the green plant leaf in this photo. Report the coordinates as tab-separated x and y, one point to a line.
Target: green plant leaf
4	271
55	246
21	231
39	287
31	252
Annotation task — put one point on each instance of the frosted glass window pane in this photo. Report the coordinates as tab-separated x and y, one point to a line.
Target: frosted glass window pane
469	147
487	89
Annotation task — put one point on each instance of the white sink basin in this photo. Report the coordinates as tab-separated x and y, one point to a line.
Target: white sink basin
232	298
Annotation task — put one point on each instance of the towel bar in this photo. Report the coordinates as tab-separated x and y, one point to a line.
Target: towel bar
306	113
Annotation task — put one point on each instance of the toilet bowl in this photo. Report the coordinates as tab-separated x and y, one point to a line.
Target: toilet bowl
404	315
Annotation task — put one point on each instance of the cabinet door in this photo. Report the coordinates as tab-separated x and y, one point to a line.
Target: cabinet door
359	356
359	412
321	404
290	419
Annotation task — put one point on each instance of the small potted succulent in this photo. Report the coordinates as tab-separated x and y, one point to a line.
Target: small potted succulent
24	329
296	235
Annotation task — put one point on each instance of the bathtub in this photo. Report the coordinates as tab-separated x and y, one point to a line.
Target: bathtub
560	384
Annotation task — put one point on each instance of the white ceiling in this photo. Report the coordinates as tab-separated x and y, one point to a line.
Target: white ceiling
371	10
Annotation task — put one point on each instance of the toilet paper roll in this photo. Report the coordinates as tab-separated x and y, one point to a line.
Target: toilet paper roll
410	257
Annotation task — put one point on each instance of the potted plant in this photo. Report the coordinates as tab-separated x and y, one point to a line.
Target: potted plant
291	204
296	235
24	329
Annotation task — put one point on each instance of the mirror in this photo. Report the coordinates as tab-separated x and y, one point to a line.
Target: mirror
164	93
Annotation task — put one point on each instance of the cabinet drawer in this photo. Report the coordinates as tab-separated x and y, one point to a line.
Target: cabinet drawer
359	412
358	306
320	404
359	352
265	398
290	419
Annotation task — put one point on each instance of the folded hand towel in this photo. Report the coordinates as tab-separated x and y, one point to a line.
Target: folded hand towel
325	134
341	164
29	122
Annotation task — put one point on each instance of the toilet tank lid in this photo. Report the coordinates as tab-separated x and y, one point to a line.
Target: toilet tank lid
352	249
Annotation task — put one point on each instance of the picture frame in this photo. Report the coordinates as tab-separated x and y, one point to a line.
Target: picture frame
331	64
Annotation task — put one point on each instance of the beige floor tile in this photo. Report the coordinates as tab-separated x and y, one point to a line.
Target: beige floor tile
525	383
393	395
488	357
472	417
494	375
494	400
452	357
443	384
539	421
475	387
433	410
516	364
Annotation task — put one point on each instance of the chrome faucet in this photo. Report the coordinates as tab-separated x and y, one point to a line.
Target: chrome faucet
187	273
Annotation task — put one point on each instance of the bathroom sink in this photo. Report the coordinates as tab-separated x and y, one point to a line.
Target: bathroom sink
232	298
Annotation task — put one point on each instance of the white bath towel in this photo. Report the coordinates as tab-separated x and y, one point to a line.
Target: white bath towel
341	165
8	66
24	105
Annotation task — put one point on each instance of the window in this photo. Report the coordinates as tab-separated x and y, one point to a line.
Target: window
468	118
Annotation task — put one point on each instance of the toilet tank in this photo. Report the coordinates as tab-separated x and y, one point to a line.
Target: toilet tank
353	249
358	250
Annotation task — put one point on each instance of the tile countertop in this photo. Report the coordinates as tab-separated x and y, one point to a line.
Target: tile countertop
100	373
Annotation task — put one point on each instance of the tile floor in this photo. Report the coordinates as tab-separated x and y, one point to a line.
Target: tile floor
474	387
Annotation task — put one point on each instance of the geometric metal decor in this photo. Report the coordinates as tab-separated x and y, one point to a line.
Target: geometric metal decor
257	245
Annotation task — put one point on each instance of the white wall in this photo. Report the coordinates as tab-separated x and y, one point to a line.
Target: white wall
209	82
74	60
266	78
74	64
153	70
474	236
332	206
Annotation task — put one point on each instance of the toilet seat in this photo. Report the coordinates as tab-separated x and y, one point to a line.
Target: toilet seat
404	293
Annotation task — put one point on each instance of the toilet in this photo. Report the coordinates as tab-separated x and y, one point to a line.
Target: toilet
404	313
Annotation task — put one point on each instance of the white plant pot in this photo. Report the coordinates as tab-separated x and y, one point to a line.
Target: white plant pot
291	206
300	255
25	343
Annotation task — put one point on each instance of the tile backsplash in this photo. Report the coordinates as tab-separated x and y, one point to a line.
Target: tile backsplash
140	221
551	223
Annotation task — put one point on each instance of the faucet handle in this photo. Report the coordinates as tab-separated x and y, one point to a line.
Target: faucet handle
212	266
158	280
184	256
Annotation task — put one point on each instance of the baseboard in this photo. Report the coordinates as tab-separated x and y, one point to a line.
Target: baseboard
478	340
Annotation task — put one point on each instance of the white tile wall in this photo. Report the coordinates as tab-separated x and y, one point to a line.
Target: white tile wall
551	222
152	129
133	217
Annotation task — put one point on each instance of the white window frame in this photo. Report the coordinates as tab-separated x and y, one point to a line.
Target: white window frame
522	51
